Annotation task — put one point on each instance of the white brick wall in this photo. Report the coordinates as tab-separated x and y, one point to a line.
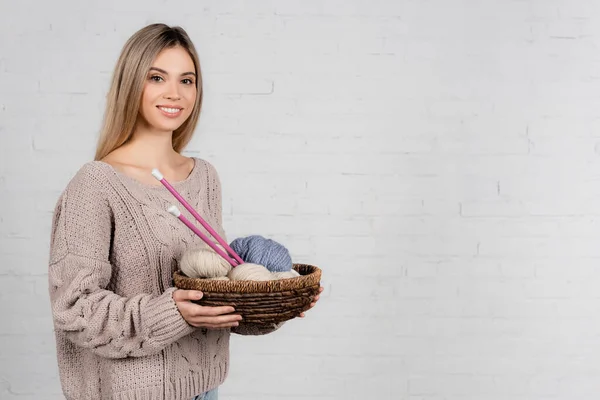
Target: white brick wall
439	160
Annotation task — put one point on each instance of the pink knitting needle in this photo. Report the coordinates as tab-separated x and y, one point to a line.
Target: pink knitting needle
156	173
175	211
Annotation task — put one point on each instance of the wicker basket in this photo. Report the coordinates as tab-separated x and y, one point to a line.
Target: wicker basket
261	303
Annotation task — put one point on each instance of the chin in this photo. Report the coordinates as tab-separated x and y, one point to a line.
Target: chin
166	126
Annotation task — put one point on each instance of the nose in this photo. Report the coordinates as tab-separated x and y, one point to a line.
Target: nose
172	91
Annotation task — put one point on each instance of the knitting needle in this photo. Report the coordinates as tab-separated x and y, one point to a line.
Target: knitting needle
175	211
156	173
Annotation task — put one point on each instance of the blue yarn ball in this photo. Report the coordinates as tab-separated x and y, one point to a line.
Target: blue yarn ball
256	249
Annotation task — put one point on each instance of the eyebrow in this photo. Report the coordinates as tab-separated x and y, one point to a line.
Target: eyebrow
166	73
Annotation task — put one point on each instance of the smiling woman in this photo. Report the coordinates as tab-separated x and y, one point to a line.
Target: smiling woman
122	330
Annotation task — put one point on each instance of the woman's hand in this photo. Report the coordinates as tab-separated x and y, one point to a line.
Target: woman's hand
302	315
203	316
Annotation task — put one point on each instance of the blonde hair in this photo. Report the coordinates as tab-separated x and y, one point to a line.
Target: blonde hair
124	96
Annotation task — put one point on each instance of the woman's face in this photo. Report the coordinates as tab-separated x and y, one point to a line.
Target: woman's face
169	91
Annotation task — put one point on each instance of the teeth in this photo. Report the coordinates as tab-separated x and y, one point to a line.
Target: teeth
170	110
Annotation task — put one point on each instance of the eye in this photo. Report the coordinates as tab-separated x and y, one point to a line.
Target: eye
188	81
156	78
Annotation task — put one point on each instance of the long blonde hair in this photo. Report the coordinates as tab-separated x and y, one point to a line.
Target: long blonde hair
124	96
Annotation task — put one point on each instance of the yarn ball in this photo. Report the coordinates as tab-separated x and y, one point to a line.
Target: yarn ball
292	273
250	272
203	263
256	249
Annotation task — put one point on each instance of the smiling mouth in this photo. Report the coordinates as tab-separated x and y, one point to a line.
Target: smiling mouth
171	112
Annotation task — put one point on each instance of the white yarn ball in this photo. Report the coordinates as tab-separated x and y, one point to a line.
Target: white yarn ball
250	272
203	263
292	273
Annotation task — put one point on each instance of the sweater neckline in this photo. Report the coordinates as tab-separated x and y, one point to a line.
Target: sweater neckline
122	176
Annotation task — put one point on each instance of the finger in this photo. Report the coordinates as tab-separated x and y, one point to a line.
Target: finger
209	325
223	326
196	310
186	295
214	311
321	289
189	295
302	315
214	321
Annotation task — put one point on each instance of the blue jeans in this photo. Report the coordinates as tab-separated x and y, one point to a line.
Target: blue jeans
210	395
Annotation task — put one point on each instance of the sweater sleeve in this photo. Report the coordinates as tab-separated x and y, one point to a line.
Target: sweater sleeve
83	309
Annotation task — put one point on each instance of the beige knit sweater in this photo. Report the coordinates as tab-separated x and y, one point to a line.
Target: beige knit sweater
114	248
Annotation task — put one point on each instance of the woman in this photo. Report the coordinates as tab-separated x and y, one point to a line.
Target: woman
122	331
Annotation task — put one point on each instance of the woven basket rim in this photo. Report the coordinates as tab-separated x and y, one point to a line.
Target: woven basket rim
312	278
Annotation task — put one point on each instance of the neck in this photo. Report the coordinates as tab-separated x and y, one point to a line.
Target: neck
151	147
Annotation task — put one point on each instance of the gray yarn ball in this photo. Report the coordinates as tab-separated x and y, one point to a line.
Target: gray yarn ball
256	249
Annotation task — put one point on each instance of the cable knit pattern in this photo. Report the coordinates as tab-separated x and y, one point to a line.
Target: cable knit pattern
113	252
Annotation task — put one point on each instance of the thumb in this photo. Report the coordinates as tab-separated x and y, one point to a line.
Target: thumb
183	295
